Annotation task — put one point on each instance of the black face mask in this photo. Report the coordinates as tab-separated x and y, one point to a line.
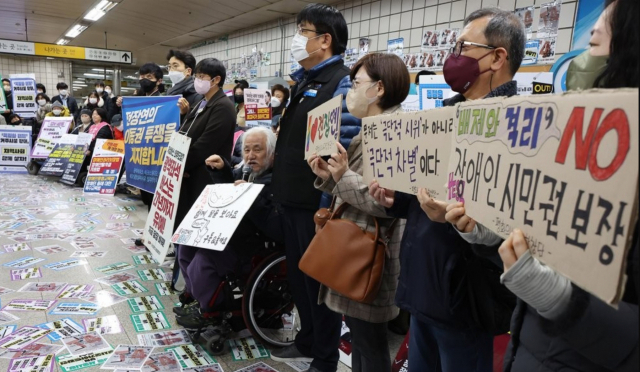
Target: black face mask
147	85
19	122
239	99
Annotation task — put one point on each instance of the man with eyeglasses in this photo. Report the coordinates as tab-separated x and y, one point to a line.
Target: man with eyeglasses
436	283
320	40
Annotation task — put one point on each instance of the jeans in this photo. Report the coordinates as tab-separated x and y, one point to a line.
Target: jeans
436	349
369	346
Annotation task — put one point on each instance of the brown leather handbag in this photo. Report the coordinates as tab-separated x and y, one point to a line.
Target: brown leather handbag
346	258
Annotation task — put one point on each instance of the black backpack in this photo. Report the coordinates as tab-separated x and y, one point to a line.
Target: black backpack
491	303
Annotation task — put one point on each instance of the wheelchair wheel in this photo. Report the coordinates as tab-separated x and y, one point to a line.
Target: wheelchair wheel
267	300
33	167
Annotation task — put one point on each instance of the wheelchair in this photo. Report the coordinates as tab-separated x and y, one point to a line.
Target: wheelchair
258	299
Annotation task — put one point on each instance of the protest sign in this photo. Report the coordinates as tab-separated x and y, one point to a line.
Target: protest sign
58	160
76	159
323	128
52	129
148	123
562	168
15	146
215	215
105	167
23	88
256	104
162	215
406	151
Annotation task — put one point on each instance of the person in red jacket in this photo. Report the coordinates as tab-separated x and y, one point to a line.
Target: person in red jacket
116	123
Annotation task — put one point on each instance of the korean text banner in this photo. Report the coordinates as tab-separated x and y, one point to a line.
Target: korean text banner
15	144
76	159
323	128
23	87
563	168
148	125
162	215
105	167
58	159
256	104
52	129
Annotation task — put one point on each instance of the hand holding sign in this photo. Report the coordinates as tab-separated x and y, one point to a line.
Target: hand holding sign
512	248
339	163
319	167
183	104
384	197
457	216
434	209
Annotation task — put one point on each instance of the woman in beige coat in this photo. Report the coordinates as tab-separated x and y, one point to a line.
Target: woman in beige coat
380	84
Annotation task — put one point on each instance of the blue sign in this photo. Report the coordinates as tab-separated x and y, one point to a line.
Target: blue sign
588	13
148	123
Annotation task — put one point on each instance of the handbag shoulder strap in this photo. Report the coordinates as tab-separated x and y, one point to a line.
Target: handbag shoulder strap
338	213
389	232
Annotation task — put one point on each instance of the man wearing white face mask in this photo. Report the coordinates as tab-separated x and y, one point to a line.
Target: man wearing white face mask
320	40
181	67
65	98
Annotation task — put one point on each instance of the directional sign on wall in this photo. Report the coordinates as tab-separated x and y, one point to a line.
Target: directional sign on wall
64	51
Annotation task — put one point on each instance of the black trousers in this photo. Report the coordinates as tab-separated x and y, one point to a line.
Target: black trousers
369	346
147	198
319	335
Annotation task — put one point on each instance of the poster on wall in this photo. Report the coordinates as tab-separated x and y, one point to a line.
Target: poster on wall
350	57
148	123
531	49
52	129
363	46
396	46
547	51
432	91
435	48
586	17
548	21
23	88
104	169
257	105
15	145
534	83
563	169
526	16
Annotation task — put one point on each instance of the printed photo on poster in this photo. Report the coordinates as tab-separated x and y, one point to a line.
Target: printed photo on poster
396	46
549	18
526	16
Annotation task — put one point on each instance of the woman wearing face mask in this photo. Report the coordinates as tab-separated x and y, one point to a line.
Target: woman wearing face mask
44	107
94	101
279	99
85	122
238	98
380	84
57	110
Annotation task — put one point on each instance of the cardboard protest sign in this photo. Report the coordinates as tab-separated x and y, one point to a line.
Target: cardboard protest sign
256	104
15	148
106	162
564	169
323	128
76	159
406	151
23	87
58	160
162	215
148	123
53	128
215	215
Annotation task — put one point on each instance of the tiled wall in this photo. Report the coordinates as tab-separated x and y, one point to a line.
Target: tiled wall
380	21
46	70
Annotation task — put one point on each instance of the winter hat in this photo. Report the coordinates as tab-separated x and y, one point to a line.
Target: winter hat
85	112
116	119
57	104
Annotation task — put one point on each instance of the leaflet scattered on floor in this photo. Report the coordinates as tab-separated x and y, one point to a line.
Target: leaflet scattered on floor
190	356
145	303
129	287
28	305
65	327
105	325
150	321
247	349
90	342
165	338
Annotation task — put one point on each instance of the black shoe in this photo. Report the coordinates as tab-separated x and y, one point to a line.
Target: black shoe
187	309
139	242
171	254
289	354
198	320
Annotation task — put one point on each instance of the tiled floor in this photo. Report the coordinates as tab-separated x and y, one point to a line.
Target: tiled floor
26	202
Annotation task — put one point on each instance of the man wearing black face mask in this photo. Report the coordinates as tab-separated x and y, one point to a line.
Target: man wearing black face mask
443	330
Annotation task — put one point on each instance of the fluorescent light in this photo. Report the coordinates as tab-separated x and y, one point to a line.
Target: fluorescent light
62	41
100	69
100	10
75	30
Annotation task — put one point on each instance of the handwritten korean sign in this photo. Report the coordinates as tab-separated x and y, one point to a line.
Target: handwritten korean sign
408	150
24	93
162	215
564	169
323	128
52	129
15	145
216	214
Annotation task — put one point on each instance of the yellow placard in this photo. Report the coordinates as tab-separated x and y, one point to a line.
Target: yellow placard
60	51
114	145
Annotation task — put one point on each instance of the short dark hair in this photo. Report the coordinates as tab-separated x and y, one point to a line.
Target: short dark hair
268	93
62	85
423	73
281	88
43	96
183	56
239	86
327	20
41	86
212	67
7	80
504	29
151	68
13	116
102	112
99	84
391	71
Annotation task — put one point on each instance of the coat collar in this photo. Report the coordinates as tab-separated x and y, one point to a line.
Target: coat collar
315	72
507	89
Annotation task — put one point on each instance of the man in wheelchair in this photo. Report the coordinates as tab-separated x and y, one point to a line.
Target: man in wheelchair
203	269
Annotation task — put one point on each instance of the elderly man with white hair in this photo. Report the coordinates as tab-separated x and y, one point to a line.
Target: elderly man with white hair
204	269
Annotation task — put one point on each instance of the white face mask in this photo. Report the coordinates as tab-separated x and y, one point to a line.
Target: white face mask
93	101
275	102
40	91
57	112
176	76
299	47
358	102
7	88
99	90
120	126
63	92
42	102
108	91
